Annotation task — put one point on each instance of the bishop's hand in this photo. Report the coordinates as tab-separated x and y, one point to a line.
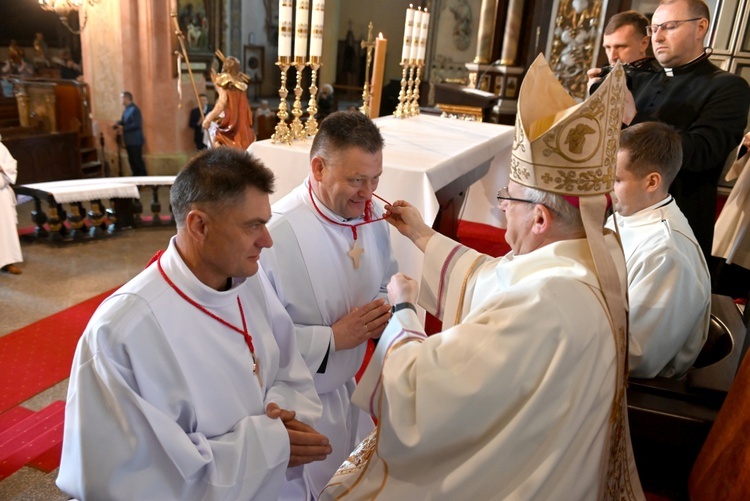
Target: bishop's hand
409	222
361	324
306	444
402	289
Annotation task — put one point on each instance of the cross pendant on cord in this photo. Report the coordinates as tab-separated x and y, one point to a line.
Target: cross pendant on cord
355	253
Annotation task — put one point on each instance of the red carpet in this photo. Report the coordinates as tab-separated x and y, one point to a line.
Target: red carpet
39	355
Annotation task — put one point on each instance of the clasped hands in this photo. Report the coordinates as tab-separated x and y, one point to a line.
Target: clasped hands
305	444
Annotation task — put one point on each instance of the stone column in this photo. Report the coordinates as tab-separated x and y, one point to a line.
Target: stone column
486	31
512	33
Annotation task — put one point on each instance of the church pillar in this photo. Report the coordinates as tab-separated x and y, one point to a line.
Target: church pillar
487	16
327	72
129	45
512	33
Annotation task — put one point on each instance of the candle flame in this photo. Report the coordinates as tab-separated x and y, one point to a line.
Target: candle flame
380	35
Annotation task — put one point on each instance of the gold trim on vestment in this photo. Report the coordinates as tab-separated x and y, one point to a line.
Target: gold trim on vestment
460	308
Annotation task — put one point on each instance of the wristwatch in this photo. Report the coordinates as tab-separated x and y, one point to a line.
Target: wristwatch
401	306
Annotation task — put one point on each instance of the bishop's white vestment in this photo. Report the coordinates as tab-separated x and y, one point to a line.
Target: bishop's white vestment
669	290
10	247
163	402
317	283
511	401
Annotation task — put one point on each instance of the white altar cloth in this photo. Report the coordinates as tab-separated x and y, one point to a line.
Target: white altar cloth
83	190
422	155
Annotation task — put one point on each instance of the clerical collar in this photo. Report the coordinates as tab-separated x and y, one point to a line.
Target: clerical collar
657	205
670	72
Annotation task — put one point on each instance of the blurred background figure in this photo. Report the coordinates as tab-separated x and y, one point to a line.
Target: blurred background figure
10	247
196	119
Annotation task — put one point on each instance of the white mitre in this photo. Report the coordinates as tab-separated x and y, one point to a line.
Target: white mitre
561	146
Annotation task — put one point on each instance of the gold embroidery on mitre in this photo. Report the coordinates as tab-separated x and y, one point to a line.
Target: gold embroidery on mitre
517	171
574	148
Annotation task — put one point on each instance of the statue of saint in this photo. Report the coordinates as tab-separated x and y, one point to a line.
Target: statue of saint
235	117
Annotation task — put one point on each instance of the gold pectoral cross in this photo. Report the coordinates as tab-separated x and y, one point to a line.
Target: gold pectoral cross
355	253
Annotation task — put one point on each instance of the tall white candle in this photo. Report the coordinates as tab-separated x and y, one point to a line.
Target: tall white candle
415	34
316	28
408	27
301	28
423	35
285	28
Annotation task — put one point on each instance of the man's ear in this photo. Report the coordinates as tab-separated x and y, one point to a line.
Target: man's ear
317	165
542	218
653	181
645	41
702	28
196	224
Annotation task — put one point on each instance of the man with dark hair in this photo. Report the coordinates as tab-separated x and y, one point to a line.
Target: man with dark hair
131	128
625	37
330	270
196	122
187	383
669	287
708	106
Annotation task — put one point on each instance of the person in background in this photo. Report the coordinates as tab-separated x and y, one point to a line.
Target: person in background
187	382
325	102
669	287
731	246
707	105
196	123
131	128
10	246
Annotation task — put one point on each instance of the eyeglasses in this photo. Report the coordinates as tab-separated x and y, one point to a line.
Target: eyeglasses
503	194
651	29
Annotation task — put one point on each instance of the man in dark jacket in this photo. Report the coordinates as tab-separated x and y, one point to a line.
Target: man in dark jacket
707	105
131	128
196	121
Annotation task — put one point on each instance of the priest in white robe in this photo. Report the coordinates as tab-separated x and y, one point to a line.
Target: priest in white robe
186	381
10	246
522	396
669	286
330	267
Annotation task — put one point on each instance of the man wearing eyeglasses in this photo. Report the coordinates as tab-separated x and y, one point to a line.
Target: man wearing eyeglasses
707	105
521	396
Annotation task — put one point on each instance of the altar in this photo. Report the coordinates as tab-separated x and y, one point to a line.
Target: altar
428	161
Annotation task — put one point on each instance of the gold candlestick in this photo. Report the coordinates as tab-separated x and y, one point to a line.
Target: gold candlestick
281	133
369	45
414	109
311	127
297	127
401	108
410	88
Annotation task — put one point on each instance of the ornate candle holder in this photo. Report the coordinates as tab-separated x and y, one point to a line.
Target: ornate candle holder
368	45
282	133
401	108
297	127
311	127
414	105
409	88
